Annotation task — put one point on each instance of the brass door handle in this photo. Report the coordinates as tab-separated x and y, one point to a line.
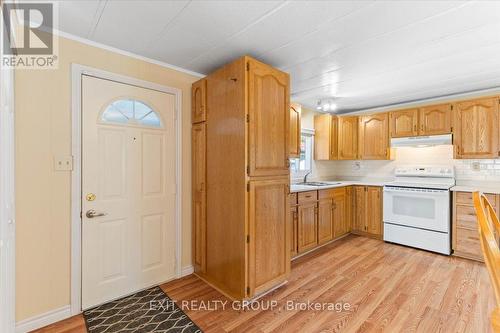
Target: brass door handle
92	213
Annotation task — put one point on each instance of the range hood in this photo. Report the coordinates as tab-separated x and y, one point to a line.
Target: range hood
422	141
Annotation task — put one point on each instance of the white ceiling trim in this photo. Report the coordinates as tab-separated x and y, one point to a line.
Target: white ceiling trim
125	53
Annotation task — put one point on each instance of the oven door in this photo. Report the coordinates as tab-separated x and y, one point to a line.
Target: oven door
417	207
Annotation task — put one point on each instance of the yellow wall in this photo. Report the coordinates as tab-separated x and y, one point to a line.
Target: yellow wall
43	129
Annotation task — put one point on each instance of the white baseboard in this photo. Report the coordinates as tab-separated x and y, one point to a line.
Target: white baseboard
44	319
187	270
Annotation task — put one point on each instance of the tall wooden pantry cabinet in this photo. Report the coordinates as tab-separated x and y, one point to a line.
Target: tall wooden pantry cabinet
241	181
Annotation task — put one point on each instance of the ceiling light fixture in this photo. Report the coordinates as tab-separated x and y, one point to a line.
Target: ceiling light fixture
326	106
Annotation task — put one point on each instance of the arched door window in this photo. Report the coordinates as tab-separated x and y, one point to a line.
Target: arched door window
130	111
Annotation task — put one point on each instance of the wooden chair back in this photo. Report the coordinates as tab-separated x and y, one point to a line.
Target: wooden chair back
489	233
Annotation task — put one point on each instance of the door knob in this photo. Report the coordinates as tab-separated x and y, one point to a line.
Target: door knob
92	213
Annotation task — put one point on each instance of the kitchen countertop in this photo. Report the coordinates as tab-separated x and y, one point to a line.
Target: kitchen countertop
294	188
471	186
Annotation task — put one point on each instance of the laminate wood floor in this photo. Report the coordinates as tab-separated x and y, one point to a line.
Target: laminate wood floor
388	288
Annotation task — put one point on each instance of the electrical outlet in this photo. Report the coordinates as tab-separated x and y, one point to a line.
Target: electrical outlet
476	166
63	163
356	165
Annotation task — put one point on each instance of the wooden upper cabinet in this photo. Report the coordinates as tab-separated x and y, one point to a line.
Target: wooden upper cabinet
199	101
295	111
404	123
199	207
269	119
435	119
269	246
476	128
325	138
347	138
374	137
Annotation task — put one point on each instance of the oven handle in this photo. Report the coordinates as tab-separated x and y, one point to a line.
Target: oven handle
414	191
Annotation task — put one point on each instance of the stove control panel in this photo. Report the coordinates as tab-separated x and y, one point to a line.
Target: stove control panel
425	171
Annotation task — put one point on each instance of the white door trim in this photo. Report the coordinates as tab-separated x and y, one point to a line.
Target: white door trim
76	177
7	202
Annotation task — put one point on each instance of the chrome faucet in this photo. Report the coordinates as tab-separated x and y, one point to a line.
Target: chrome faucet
305	177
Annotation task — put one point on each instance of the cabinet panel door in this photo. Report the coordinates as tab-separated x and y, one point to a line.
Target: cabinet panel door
359	222
293	218
325	137
307	226
198	101
269	246
374	210
340	222
374	137
349	207
476	124
325	220
198	137
435	119
295	110
404	123
348	138
269	120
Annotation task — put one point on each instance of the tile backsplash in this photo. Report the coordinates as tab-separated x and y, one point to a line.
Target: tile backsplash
481	169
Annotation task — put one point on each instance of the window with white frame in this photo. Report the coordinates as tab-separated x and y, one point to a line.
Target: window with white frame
303	164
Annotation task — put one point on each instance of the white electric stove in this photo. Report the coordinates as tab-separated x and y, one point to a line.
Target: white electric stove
417	207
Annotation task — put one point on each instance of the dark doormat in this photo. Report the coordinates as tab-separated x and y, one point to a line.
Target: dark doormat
147	311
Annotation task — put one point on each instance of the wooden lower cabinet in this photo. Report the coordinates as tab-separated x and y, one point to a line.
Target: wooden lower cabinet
465	235
359	203
341	224
321	217
307	226
374	210
293	221
325	216
368	211
269	252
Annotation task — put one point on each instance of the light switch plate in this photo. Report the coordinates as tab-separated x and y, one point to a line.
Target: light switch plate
476	166
63	163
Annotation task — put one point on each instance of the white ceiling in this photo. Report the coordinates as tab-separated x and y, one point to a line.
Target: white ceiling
363	53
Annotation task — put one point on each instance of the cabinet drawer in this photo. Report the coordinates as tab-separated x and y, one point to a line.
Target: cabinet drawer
293	199
466	198
467	242
308	196
330	193
466	217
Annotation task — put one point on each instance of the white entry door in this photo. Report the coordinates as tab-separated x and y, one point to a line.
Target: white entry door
128	189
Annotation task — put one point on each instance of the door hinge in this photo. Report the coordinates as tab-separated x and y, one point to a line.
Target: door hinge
248	238
451	107
248	169
81	214
248	118
248	290
248	66
248	187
